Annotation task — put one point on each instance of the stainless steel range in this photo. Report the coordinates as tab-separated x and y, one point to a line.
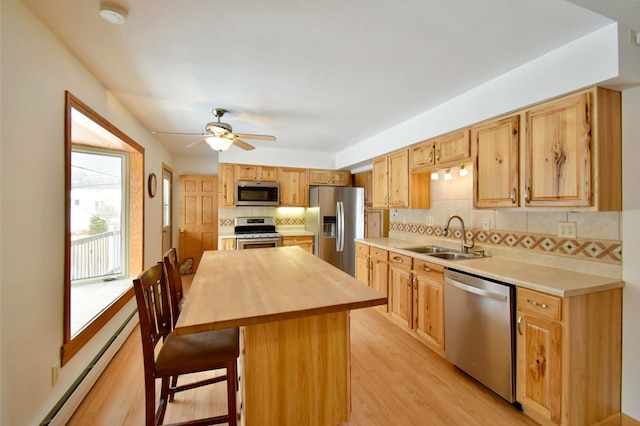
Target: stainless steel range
256	232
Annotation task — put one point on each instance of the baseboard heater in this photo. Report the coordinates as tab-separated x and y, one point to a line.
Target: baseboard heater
51	418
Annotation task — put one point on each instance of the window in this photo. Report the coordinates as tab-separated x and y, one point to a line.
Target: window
104	223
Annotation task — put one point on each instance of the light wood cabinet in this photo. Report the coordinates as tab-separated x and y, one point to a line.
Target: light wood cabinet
250	172
401	288
391	180
365	180
304	241
362	263
226	185
379	274
496	172
569	155
227	244
329	177
376	223
447	150
573	151
569	356
294	187
428	309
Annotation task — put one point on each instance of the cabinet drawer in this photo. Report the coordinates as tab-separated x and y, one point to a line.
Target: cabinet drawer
378	254
426	268
540	304
400	260
362	249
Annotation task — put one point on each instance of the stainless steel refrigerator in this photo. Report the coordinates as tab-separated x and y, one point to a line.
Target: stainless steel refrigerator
336	217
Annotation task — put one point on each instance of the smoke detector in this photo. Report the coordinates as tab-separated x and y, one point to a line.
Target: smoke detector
113	13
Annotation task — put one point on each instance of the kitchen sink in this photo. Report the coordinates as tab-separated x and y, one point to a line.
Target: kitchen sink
454	255
427	249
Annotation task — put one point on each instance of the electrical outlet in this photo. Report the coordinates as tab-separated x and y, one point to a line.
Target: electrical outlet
567	229
486	224
55	374
429	220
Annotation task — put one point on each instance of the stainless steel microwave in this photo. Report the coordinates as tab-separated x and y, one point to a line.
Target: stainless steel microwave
250	193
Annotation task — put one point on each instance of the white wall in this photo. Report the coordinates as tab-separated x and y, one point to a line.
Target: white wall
36	70
631	253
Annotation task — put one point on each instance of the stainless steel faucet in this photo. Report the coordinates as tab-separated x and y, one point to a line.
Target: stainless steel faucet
465	245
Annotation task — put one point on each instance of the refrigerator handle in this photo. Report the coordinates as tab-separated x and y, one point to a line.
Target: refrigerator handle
340	226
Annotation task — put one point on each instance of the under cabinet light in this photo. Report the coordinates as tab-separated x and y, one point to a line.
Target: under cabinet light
434	174
463	172
447	175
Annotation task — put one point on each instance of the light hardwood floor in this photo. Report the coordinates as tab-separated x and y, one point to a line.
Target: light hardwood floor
396	380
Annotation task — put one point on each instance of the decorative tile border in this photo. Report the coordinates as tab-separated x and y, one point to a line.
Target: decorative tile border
609	251
293	221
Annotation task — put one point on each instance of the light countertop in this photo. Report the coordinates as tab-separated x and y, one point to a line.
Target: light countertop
556	281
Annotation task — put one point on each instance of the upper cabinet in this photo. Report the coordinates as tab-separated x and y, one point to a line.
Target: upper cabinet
329	177
445	150
570	155
249	172
391	180
496	175
294	187
226	185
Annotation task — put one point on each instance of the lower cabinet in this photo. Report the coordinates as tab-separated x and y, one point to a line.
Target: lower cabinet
227	244
569	356
428	309
362	263
400	288
306	242
379	273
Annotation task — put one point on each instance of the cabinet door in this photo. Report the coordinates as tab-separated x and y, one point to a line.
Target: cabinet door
379	275
362	263
422	156
306	242
380	186
539	376
294	188
400	287
453	147
376	223
256	173
558	153
319	177
227	244
341	178
226	185
365	180
496	175
428	313
398	195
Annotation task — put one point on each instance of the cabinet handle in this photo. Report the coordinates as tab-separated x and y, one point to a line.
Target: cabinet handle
431	157
513	196
437	155
398	259
519	324
426	268
527	194
534	303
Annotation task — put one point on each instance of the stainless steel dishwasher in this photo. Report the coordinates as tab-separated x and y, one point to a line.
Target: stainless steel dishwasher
479	330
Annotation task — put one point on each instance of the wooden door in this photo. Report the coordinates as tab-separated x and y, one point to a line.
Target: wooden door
539	386
380	187
428	313
452	147
496	175
294	187
558	153
167	208
399	179
198	216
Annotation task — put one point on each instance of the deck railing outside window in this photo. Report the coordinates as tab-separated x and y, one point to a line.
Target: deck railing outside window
96	256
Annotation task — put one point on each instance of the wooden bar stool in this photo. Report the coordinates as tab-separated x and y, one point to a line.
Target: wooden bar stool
178	355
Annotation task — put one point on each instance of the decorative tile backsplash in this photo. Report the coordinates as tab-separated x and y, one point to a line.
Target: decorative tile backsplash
607	251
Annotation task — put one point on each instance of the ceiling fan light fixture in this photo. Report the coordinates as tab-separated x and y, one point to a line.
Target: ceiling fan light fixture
113	13
217	143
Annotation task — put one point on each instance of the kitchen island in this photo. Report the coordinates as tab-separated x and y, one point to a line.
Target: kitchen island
293	310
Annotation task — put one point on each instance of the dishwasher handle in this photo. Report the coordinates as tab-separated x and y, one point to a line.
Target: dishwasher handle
476	290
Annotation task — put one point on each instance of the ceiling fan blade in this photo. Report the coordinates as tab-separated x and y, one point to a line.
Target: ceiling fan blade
196	143
179	133
241	144
259	137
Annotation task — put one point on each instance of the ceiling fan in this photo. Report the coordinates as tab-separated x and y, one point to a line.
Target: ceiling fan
219	136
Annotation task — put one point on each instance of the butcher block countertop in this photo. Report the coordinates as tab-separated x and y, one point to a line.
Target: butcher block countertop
247	287
556	281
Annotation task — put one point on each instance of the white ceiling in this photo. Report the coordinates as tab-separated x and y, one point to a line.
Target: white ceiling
319	75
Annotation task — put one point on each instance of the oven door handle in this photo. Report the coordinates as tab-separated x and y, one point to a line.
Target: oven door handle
340	226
